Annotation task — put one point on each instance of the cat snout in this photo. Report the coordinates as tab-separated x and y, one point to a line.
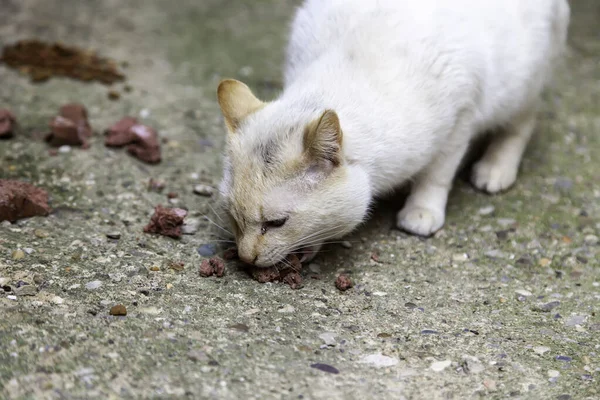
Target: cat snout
248	259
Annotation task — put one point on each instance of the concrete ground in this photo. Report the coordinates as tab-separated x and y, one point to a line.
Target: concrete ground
502	303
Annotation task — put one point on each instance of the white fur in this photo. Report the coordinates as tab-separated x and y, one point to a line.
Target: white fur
413	82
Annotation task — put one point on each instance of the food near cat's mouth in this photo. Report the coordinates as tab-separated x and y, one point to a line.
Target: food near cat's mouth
70	127
230	254
287	271
7	123
21	200
212	266
141	140
166	221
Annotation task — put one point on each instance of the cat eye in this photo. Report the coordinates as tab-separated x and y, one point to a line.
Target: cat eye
276	223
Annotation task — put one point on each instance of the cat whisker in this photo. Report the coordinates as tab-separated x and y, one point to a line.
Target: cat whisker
217	225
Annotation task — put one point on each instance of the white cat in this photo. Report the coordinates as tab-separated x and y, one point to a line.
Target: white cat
378	93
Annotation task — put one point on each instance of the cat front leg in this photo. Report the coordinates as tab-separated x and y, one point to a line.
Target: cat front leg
424	212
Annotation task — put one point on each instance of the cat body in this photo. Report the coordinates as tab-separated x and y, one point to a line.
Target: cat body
376	94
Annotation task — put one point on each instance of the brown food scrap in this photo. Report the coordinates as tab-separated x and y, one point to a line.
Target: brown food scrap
264	275
177	265
21	200
7	123
212	266
156	186
142	140
42	61
70	127
230	254
375	257
294	279
146	146
166	221
114	95
287	272
343	282
294	262
119	309
118	134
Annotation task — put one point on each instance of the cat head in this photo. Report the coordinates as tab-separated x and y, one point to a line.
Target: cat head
287	186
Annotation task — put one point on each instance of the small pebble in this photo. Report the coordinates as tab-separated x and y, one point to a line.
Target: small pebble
325	368
346	244
40	233
114	235
460	257
11	297
328	338
489	384
439	366
506	222
64	149
286	309
203	190
575	320
314	268
207	250
563	184
523	292
544	262
190	226
591	239
379	360
26	290
18	254
564	358
177	265
487	210
547	307
93	285
240	327
495	254
541	350
119	309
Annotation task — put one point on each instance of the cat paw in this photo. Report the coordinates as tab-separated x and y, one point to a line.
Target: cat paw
493	177
420	221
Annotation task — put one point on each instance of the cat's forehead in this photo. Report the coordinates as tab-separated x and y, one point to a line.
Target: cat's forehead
263	182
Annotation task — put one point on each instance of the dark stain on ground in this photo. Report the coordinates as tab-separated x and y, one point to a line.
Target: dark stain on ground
42	61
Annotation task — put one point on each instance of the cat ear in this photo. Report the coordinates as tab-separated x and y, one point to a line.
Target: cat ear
323	139
237	102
